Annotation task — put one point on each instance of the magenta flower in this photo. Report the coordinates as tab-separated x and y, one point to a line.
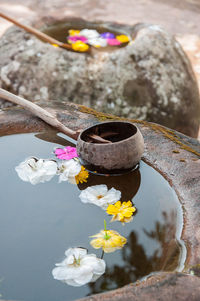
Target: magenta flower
74	39
113	42
66	153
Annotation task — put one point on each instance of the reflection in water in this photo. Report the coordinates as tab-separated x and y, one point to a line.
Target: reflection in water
128	183
52	136
136	263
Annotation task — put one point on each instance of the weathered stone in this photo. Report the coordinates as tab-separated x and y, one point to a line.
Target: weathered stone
162	287
150	79
177	158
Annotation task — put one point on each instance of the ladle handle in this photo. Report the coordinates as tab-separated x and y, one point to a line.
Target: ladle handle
36	32
39	112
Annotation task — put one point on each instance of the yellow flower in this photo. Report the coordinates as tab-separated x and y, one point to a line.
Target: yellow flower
121	211
80	46
108	240
82	176
74	32
55	45
123	38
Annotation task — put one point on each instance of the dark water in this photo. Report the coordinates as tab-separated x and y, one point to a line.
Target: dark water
38	223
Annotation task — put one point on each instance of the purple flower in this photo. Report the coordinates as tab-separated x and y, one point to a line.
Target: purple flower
66	153
107	35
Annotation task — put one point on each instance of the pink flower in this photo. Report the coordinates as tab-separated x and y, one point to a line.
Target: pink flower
113	42
74	39
66	153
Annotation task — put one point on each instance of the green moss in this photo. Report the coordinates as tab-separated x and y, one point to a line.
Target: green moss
167	133
195	270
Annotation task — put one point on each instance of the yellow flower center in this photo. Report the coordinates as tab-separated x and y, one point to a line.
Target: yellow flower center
82	176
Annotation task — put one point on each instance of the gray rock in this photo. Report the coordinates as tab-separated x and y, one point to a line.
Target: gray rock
150	79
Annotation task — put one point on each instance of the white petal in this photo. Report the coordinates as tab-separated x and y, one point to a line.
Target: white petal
85	275
97	41
50	167
72	180
90	194
98	265
34	171
89	33
72	282
113	195
77	252
63	177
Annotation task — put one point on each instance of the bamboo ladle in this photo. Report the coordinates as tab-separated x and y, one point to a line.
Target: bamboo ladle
122	153
46	116
38	33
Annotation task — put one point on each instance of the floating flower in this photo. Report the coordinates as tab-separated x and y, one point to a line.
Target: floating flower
80	46
123	38
107	35
108	240
66	153
79	268
73	39
36	171
68	170
113	42
74	32
100	195
82	176
122	212
98	42
55	45
89	33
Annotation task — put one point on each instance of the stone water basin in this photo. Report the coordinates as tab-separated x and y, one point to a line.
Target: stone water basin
38	223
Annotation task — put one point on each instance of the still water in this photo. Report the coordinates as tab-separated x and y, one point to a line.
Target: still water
39	222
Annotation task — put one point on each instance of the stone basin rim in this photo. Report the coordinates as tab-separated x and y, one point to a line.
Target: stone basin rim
157	155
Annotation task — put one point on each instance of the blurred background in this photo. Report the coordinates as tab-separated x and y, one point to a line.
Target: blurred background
180	18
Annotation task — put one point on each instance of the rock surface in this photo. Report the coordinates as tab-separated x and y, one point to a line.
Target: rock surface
177	158
163	287
150	79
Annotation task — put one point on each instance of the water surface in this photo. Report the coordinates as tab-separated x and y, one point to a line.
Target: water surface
38	223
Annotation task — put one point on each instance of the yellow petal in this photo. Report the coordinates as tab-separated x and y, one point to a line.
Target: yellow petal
123	38
73	32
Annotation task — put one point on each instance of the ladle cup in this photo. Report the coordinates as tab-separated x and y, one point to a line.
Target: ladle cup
114	146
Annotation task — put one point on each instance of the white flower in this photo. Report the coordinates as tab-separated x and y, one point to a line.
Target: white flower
36	171
79	268
100	196
97	42
68	170
89	33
